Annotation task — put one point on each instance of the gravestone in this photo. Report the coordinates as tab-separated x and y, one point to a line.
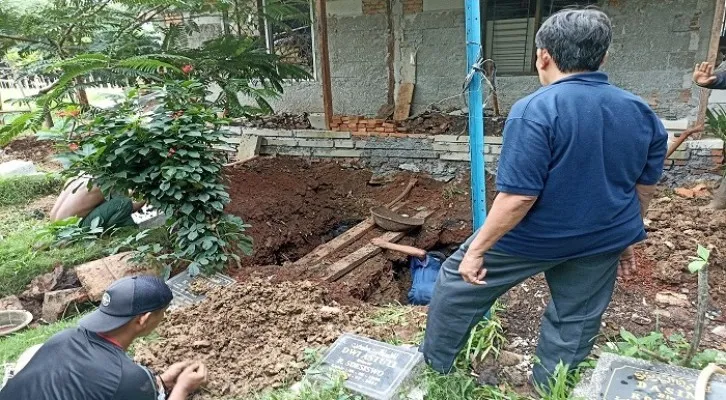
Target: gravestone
373	369
185	295
624	378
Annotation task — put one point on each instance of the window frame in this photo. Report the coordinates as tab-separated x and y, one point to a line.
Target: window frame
538	17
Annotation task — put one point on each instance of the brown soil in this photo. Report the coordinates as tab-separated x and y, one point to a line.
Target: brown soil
293	204
31	149
253	336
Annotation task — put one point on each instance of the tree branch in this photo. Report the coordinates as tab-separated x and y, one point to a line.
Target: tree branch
19	39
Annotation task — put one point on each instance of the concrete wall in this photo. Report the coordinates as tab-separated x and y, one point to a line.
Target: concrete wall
444	156
655	46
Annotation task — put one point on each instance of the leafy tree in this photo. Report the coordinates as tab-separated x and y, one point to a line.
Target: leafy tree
171	151
88	43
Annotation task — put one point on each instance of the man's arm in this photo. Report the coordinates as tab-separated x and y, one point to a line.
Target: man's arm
704	77
407	250
507	211
521	176
645	195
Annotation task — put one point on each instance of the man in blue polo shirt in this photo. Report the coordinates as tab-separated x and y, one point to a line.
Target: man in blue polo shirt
578	167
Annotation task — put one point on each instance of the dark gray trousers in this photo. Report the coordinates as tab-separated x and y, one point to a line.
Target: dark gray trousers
580	289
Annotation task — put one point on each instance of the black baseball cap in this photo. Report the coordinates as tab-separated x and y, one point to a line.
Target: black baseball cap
125	299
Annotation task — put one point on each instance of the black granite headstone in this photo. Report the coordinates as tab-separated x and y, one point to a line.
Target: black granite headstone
374	369
628	382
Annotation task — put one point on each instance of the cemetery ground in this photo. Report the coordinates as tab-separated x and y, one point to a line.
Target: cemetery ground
259	336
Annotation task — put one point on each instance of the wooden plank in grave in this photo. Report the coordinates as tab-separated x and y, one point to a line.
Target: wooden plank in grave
350	262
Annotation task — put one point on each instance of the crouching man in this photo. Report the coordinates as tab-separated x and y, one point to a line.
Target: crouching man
90	361
77	200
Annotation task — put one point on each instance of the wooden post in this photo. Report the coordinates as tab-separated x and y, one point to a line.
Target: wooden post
718	17
321	28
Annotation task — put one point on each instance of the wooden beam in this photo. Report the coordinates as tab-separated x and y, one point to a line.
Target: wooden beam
339	242
718	18
403	103
350	262
321	27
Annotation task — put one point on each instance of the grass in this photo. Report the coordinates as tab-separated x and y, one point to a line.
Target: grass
13	346
20	262
23	189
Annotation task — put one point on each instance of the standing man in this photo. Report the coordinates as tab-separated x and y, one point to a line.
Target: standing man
90	361
578	168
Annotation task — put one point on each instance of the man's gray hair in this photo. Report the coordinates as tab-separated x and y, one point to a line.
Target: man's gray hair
577	40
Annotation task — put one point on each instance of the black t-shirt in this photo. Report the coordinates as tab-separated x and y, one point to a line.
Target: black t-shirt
80	365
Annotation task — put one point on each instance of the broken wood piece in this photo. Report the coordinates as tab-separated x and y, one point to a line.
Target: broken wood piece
348	263
405	192
403	102
682	138
342	241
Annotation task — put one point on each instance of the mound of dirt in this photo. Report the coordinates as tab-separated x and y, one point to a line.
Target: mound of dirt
31	149
252	336
676	227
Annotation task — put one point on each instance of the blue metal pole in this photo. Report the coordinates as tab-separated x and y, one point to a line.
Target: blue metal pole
476	115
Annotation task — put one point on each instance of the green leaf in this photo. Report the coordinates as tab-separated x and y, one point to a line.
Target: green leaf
696	266
627	336
187	208
193	235
703	252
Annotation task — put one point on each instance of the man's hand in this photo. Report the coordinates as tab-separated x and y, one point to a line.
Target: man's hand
170	376
191	378
627	264
703	74
472	269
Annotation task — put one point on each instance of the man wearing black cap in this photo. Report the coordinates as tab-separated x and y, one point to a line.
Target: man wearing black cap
90	362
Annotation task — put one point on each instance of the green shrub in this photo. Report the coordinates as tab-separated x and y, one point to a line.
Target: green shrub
23	189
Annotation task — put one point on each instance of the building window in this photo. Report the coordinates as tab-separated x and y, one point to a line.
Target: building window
293	37
510	27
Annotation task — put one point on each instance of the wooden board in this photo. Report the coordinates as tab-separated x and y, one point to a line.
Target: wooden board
403	102
342	241
348	263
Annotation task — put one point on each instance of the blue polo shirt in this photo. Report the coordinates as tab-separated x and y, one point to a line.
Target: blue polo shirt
580	145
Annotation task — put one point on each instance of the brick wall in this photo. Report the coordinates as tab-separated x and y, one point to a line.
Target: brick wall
373	7
412	6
